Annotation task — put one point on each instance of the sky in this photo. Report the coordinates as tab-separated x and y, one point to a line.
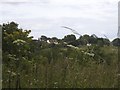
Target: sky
45	17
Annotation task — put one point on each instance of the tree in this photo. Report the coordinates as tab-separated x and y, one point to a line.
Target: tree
55	38
106	41
16	49
10	33
70	39
43	38
100	42
93	39
116	42
83	40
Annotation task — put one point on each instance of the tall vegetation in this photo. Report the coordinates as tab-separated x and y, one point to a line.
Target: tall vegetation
86	62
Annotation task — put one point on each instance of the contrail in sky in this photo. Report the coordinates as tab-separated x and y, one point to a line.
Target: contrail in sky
74	31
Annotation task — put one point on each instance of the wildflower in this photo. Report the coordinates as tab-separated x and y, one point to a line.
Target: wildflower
8	71
31	83
13	74
55	83
19	42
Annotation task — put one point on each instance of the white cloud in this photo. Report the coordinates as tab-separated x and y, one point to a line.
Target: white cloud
42	16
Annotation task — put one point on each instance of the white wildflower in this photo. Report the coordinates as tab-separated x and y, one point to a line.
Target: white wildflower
13	74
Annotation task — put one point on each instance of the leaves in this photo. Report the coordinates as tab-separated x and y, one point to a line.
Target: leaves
68	64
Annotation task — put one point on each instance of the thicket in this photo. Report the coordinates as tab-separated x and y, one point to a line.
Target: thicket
87	62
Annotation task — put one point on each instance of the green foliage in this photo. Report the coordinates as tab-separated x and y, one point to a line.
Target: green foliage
11	33
70	39
116	42
29	63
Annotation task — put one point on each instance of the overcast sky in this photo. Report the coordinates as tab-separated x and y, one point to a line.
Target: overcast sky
45	17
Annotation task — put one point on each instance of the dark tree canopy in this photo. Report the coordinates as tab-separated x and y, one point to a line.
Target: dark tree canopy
12	36
69	38
116	42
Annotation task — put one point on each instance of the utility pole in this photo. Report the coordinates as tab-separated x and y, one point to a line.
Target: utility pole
118	59
118	35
